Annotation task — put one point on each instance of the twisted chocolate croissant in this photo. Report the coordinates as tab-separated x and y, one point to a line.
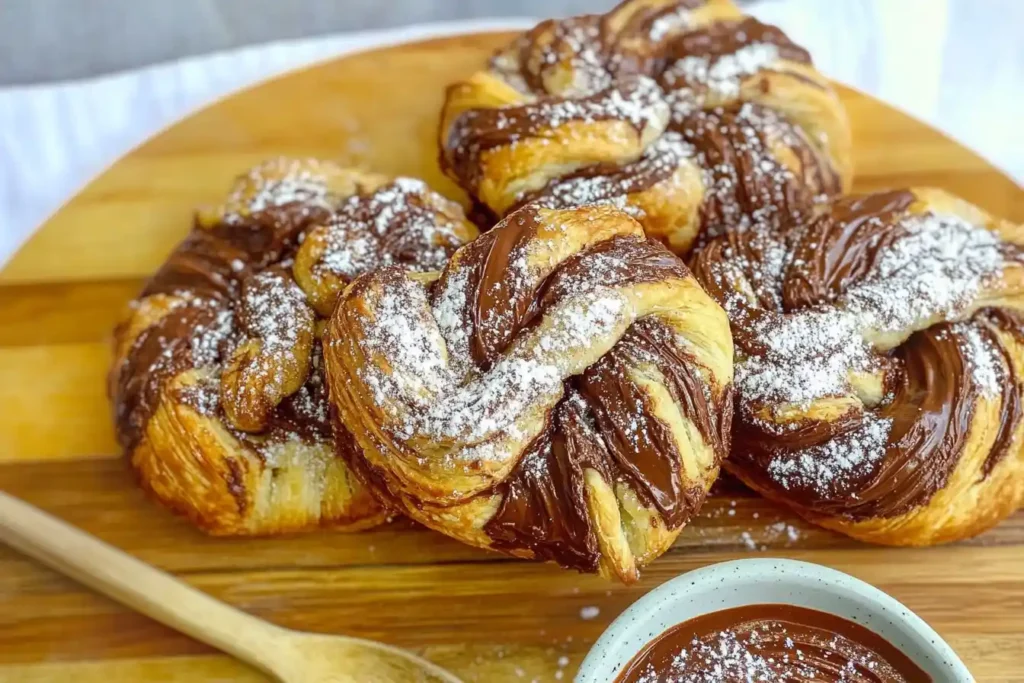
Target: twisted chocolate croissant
880	364
560	391
217	382
690	116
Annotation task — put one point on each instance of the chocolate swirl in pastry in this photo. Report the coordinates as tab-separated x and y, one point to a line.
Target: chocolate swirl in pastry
561	391
690	116
217	381
880	363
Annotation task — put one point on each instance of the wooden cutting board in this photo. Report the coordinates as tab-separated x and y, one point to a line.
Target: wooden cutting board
486	617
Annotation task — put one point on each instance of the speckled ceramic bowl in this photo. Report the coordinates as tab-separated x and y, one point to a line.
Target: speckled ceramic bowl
761	581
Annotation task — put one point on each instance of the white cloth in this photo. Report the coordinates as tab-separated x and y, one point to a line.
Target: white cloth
958	64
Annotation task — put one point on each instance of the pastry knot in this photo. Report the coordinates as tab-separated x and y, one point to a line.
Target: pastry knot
687	114
561	390
217	382
878	370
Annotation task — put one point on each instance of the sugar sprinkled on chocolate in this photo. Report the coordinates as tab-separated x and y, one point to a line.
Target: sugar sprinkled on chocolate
721	74
831	464
929	269
670	22
766	651
280	182
933	269
986	367
260	305
394	225
606	186
454	402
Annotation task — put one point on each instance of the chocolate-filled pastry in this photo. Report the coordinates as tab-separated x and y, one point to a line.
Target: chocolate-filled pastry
879	365
687	114
217	382
561	391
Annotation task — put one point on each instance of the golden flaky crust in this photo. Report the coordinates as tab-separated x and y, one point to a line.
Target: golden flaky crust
560	391
691	116
217	380
880	365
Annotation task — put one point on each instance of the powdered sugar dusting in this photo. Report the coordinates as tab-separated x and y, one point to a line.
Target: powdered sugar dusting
638	102
721	74
932	271
828	467
395	224
929	268
450	307
659	162
430	396
807	355
982	358
768	651
528	375
399	332
745	184
207	340
281	182
581	36
670	22
274	309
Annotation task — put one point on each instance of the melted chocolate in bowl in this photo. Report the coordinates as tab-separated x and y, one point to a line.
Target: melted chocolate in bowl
771	642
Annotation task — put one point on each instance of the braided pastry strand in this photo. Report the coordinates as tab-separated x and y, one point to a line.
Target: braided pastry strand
687	114
880	364
560	391
217	381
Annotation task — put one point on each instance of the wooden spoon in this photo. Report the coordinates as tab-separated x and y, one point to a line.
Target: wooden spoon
289	656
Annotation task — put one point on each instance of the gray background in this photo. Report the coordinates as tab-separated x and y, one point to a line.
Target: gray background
49	40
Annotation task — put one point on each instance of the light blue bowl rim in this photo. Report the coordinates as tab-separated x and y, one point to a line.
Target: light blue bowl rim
610	653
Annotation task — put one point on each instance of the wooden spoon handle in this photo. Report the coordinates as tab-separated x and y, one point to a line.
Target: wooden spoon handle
138	585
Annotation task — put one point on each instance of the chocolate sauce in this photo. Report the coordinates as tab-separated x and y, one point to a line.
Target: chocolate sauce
503	302
606	422
551	40
479	130
772	642
842	246
747	183
643	447
607	182
642	17
158	354
201	265
507	302
272	234
1011	412
930	413
543	507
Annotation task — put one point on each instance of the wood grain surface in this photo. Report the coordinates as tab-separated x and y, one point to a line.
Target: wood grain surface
486	617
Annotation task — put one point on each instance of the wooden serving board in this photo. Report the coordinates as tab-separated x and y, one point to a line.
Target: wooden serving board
486	617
